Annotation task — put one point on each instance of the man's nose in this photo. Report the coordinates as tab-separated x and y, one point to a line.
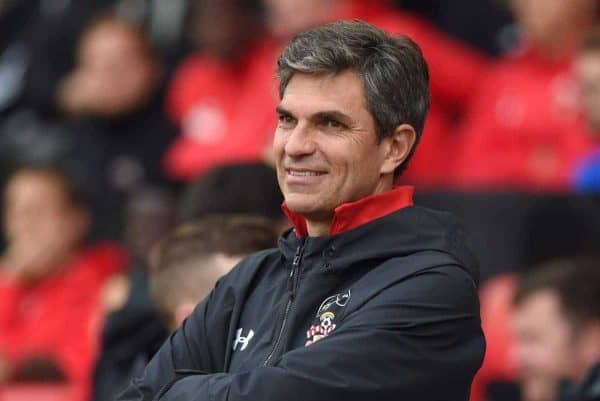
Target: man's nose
300	141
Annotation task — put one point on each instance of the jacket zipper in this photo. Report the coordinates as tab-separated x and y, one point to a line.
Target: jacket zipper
292	284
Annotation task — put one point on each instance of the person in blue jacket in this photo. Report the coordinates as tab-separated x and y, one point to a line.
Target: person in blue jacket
368	297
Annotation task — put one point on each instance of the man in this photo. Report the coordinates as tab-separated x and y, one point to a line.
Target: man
50	280
557	331
368	298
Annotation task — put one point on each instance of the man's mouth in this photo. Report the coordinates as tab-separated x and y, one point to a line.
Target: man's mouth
303	173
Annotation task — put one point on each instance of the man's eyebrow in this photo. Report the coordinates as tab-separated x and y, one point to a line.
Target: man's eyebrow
320	115
334	115
283	112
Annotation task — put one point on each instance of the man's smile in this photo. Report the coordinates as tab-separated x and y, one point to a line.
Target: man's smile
296	172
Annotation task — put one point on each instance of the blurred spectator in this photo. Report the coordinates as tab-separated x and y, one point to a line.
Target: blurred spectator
50	280
48	32
523	129
245	188
498	372
114	132
223	96
114	95
187	264
557	329
586	174
116	71
133	331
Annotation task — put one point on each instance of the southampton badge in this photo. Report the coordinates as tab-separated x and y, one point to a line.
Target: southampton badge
328	314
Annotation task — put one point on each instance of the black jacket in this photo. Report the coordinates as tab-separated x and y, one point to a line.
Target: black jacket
392	303
588	390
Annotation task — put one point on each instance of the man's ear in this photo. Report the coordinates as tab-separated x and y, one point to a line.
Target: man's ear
397	147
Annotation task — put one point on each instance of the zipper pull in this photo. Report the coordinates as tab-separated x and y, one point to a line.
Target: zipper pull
296	260
294	272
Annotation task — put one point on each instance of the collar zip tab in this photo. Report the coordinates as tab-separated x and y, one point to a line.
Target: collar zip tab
295	272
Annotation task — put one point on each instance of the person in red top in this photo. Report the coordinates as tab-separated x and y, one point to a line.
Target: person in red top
523	129
585	173
225	108
219	96
49	281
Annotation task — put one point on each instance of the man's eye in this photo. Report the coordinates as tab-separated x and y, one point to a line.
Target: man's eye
334	123
285	120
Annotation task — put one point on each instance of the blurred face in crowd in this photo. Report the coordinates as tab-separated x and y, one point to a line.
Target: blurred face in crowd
550	24
116	72
286	18
544	345
200	283
587	70
41	225
224	27
326	149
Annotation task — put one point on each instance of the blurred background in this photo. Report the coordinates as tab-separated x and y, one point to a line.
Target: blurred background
123	119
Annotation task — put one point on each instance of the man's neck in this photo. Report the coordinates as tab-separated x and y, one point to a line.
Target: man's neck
318	228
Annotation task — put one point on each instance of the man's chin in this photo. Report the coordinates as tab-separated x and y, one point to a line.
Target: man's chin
301	204
300	208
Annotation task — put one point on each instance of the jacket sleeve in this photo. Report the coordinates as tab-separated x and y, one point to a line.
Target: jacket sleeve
417	340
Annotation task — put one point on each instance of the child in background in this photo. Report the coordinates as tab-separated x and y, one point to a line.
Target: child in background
186	265
50	280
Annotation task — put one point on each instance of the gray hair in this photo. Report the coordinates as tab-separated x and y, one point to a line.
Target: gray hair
393	71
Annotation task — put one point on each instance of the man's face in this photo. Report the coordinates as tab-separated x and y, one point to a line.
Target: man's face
544	345
35	206
326	149
41	225
546	22
113	60
223	28
587	70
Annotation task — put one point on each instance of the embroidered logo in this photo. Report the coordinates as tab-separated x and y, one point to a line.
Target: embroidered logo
328	314
241	340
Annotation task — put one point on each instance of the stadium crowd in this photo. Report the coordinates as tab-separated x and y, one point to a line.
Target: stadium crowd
136	169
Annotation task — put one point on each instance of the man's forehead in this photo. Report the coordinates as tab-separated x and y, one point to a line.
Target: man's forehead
313	93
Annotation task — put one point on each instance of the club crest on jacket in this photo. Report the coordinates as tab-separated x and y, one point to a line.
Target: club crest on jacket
327	318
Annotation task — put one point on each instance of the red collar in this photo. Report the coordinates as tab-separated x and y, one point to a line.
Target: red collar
354	214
